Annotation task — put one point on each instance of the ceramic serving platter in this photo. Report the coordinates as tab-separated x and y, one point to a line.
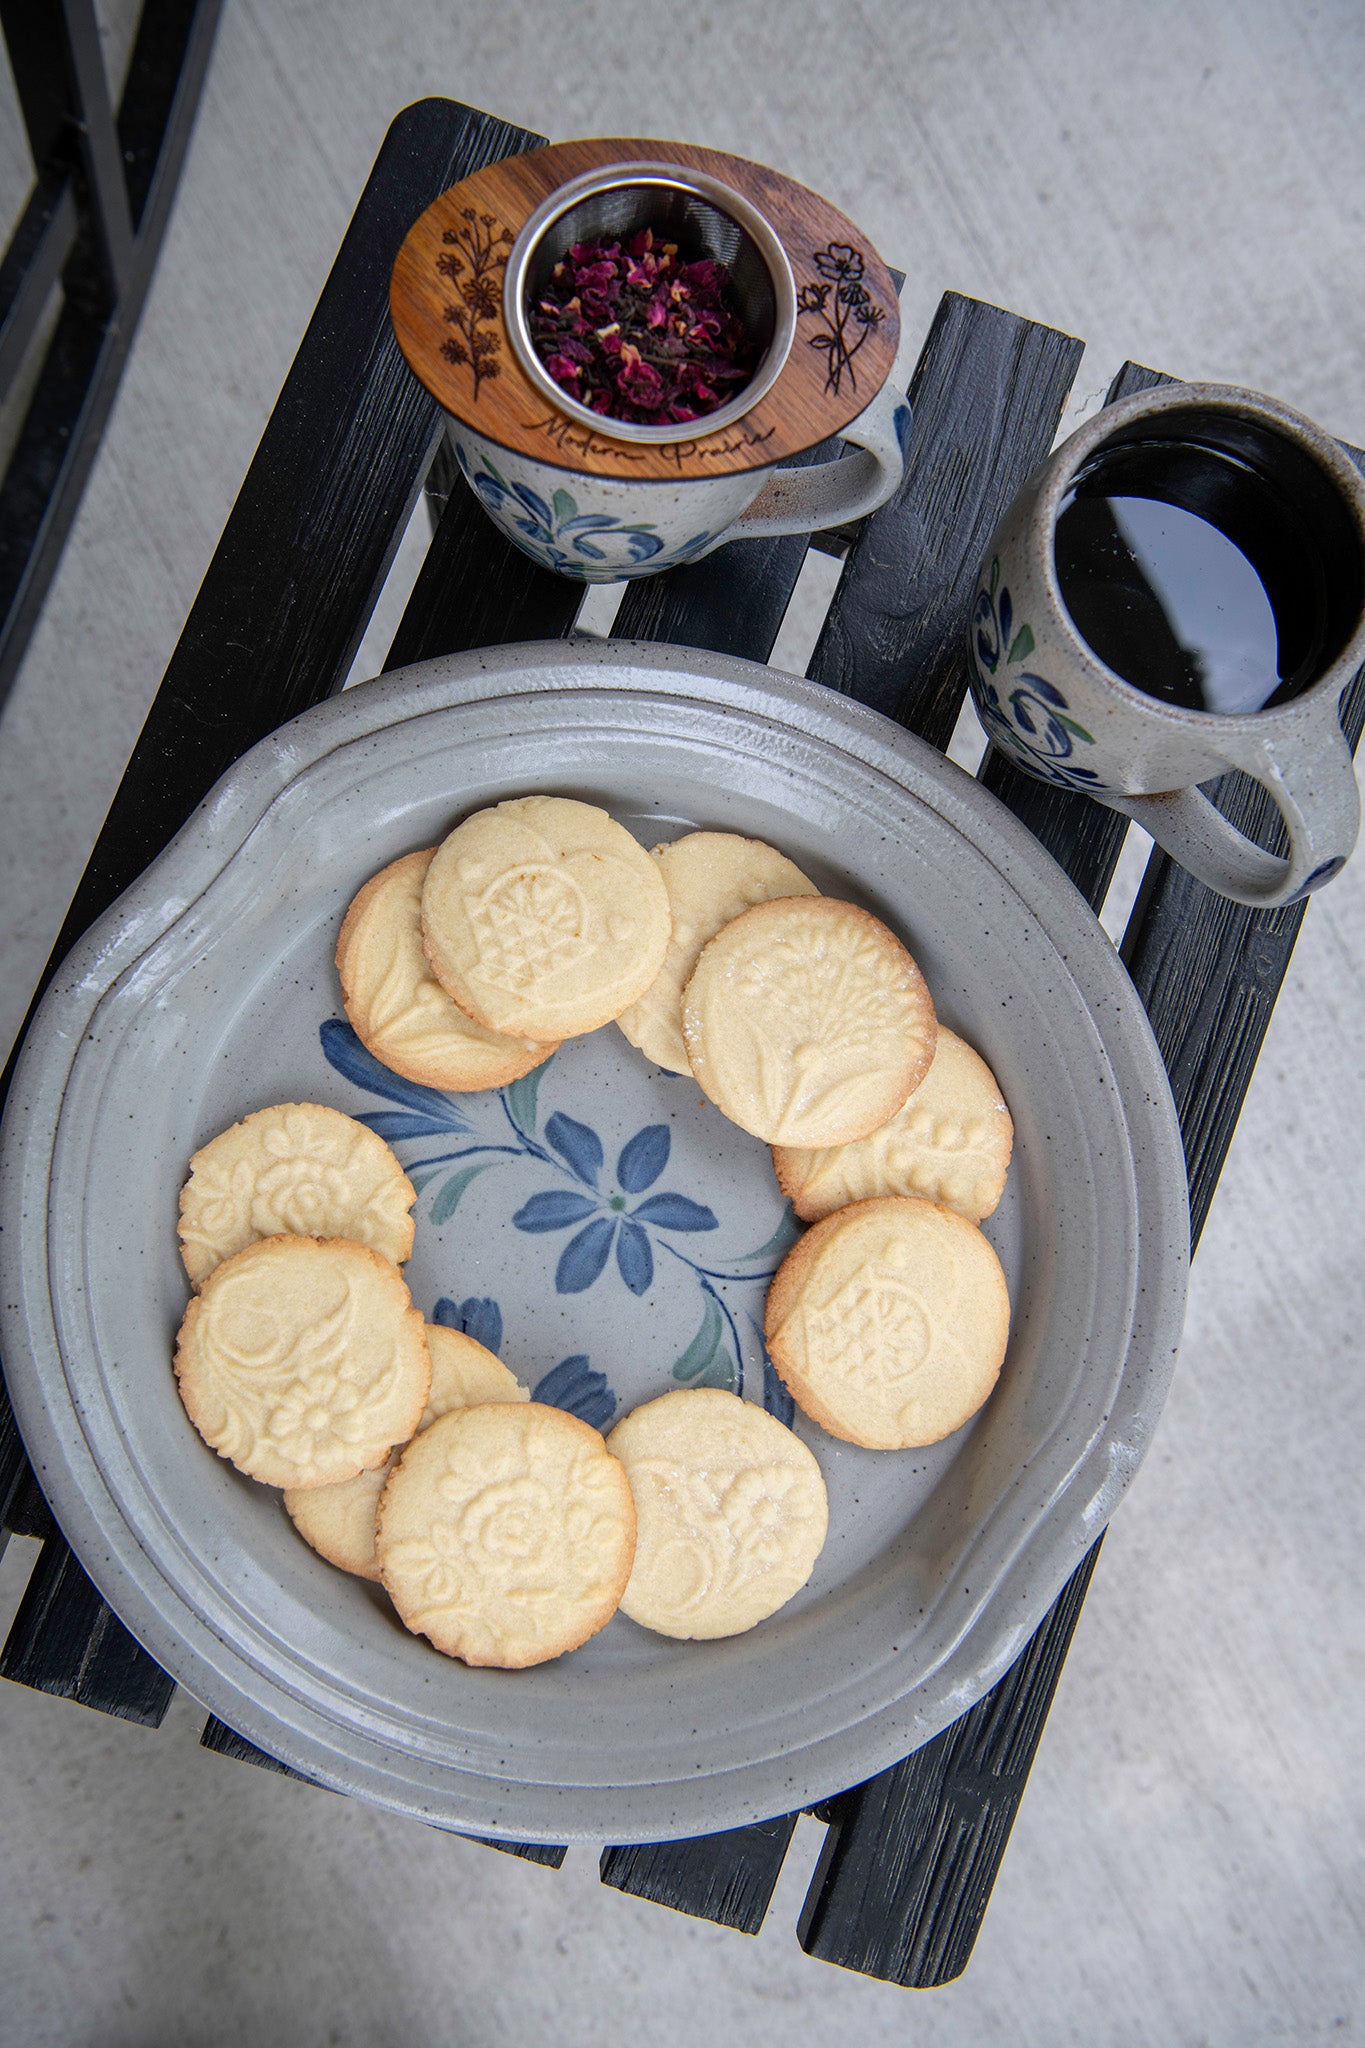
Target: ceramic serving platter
603	1227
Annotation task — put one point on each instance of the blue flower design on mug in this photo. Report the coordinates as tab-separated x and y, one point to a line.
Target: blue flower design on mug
557	532
1040	734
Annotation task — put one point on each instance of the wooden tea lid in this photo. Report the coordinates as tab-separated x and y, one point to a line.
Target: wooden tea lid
446	299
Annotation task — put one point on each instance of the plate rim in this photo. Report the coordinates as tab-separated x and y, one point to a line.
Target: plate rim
208	842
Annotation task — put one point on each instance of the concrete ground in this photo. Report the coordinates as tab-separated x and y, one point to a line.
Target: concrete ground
1179	183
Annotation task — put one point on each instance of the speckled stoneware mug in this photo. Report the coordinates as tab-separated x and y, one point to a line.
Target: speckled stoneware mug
1176	471
601	499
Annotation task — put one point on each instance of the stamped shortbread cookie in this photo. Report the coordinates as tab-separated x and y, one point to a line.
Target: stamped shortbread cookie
951	1143
303	1360
506	1534
399	1010
807	1022
294	1170
338	1520
888	1322
711	877
732	1513
542	917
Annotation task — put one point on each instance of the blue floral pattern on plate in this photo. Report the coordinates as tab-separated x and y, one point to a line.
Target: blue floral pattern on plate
571	1384
622	1211
1040	735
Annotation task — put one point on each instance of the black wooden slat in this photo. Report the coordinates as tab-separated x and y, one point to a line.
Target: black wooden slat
905	1880
27	1513
550	1854
14	1466
727	1877
273	630
987	396
1028	371
225	1741
66	1640
474	589
910	1858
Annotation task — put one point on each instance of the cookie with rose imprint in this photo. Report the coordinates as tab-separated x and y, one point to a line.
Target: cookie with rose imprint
295	1169
398	1009
888	1322
950	1142
506	1533
710	878
543	918
338	1521
807	1022
732	1513
303	1361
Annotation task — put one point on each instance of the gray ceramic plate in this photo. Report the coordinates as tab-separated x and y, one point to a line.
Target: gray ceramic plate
209	991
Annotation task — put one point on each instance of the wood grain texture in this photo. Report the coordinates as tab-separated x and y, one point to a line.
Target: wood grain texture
728	1878
805	404
907	1867
987	395
273	630
66	1640
27	1512
475	589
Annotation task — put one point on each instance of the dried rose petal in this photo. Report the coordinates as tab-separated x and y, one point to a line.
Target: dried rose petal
634	334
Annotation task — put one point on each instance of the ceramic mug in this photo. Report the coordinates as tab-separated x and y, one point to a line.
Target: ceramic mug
601	499
1219	562
603	531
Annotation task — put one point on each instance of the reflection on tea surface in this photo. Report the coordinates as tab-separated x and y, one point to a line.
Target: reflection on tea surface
1193	576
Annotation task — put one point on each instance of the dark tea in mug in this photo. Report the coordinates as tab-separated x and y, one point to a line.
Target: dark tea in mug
1208	563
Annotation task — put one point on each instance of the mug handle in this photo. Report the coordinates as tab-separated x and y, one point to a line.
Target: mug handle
833	493
1310	776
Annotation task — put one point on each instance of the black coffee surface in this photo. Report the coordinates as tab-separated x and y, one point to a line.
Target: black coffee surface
1193	576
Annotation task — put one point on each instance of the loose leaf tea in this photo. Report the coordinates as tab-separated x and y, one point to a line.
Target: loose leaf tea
633	333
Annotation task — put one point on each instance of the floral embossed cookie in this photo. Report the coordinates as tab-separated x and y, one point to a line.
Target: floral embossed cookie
951	1143
807	1022
300	1170
399	1011
338	1521
732	1513
303	1360
888	1322
506	1534
711	877
543	918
